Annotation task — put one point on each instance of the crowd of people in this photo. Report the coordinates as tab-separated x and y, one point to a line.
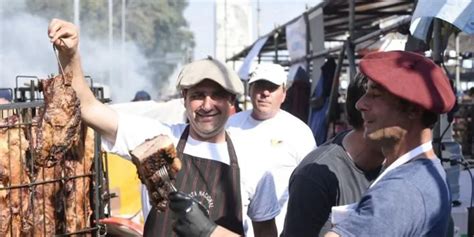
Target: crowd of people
259	172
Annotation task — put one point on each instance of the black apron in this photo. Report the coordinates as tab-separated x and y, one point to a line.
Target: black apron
215	184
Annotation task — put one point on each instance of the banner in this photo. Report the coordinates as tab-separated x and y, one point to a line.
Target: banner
296	44
457	12
245	68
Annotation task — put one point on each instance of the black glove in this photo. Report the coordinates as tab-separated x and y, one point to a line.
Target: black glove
192	217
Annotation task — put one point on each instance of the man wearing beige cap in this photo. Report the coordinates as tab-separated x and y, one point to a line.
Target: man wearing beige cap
271	131
405	93
211	173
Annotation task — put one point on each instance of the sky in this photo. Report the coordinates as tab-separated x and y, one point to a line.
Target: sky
200	16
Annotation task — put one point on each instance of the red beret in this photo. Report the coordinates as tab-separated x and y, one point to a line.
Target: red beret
412	77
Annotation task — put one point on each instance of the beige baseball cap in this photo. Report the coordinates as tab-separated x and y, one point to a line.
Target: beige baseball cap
211	69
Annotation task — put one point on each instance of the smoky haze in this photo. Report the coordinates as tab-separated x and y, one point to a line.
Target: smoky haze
25	50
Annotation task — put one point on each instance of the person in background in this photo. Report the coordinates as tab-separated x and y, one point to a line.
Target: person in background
211	174
272	132
336	173
141	96
405	94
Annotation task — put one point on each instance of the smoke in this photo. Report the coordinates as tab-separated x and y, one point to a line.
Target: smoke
25	50
124	71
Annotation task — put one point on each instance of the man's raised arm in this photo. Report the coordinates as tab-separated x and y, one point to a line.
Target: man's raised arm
65	37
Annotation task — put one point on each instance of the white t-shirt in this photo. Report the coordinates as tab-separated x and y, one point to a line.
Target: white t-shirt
283	140
256	182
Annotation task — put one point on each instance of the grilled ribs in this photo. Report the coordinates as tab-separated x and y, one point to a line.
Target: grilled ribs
149	157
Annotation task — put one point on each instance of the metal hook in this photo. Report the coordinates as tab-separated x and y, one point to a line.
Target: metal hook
55	50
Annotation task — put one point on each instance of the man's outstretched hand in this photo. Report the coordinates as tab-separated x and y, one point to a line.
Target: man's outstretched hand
192	218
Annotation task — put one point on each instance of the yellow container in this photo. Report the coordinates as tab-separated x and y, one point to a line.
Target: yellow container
124	182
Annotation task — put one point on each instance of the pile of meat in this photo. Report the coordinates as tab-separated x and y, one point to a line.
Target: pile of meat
13	202
149	157
45	167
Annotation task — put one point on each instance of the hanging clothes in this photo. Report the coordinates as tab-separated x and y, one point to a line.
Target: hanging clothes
320	102
297	96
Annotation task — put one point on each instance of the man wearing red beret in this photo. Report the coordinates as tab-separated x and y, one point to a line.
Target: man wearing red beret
405	94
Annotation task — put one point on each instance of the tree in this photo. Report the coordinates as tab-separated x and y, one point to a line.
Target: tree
158	27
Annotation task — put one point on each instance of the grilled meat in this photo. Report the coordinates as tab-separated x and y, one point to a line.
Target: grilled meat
60	120
76	191
13	201
149	157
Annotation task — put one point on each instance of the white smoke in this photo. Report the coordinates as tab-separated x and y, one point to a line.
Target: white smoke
25	50
127	69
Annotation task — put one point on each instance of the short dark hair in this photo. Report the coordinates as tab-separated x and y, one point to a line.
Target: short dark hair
428	118
141	96
355	91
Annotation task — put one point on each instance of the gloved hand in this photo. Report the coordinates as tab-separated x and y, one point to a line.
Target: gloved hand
192	218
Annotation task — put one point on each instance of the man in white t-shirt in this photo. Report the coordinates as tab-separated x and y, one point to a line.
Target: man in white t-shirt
272	132
229	188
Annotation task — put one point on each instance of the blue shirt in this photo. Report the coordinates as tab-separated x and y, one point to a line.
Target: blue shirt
411	200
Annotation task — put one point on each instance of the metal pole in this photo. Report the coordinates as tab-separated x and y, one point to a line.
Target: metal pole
98	201
436	56
123	59
351	17
437	46
76	13
225	28
111	8
334	88
124	12
215	29
258	19
350	45
275	40
308	40
110	5
351	59
458	65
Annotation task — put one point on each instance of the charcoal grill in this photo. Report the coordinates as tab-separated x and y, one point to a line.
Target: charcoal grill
26	103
